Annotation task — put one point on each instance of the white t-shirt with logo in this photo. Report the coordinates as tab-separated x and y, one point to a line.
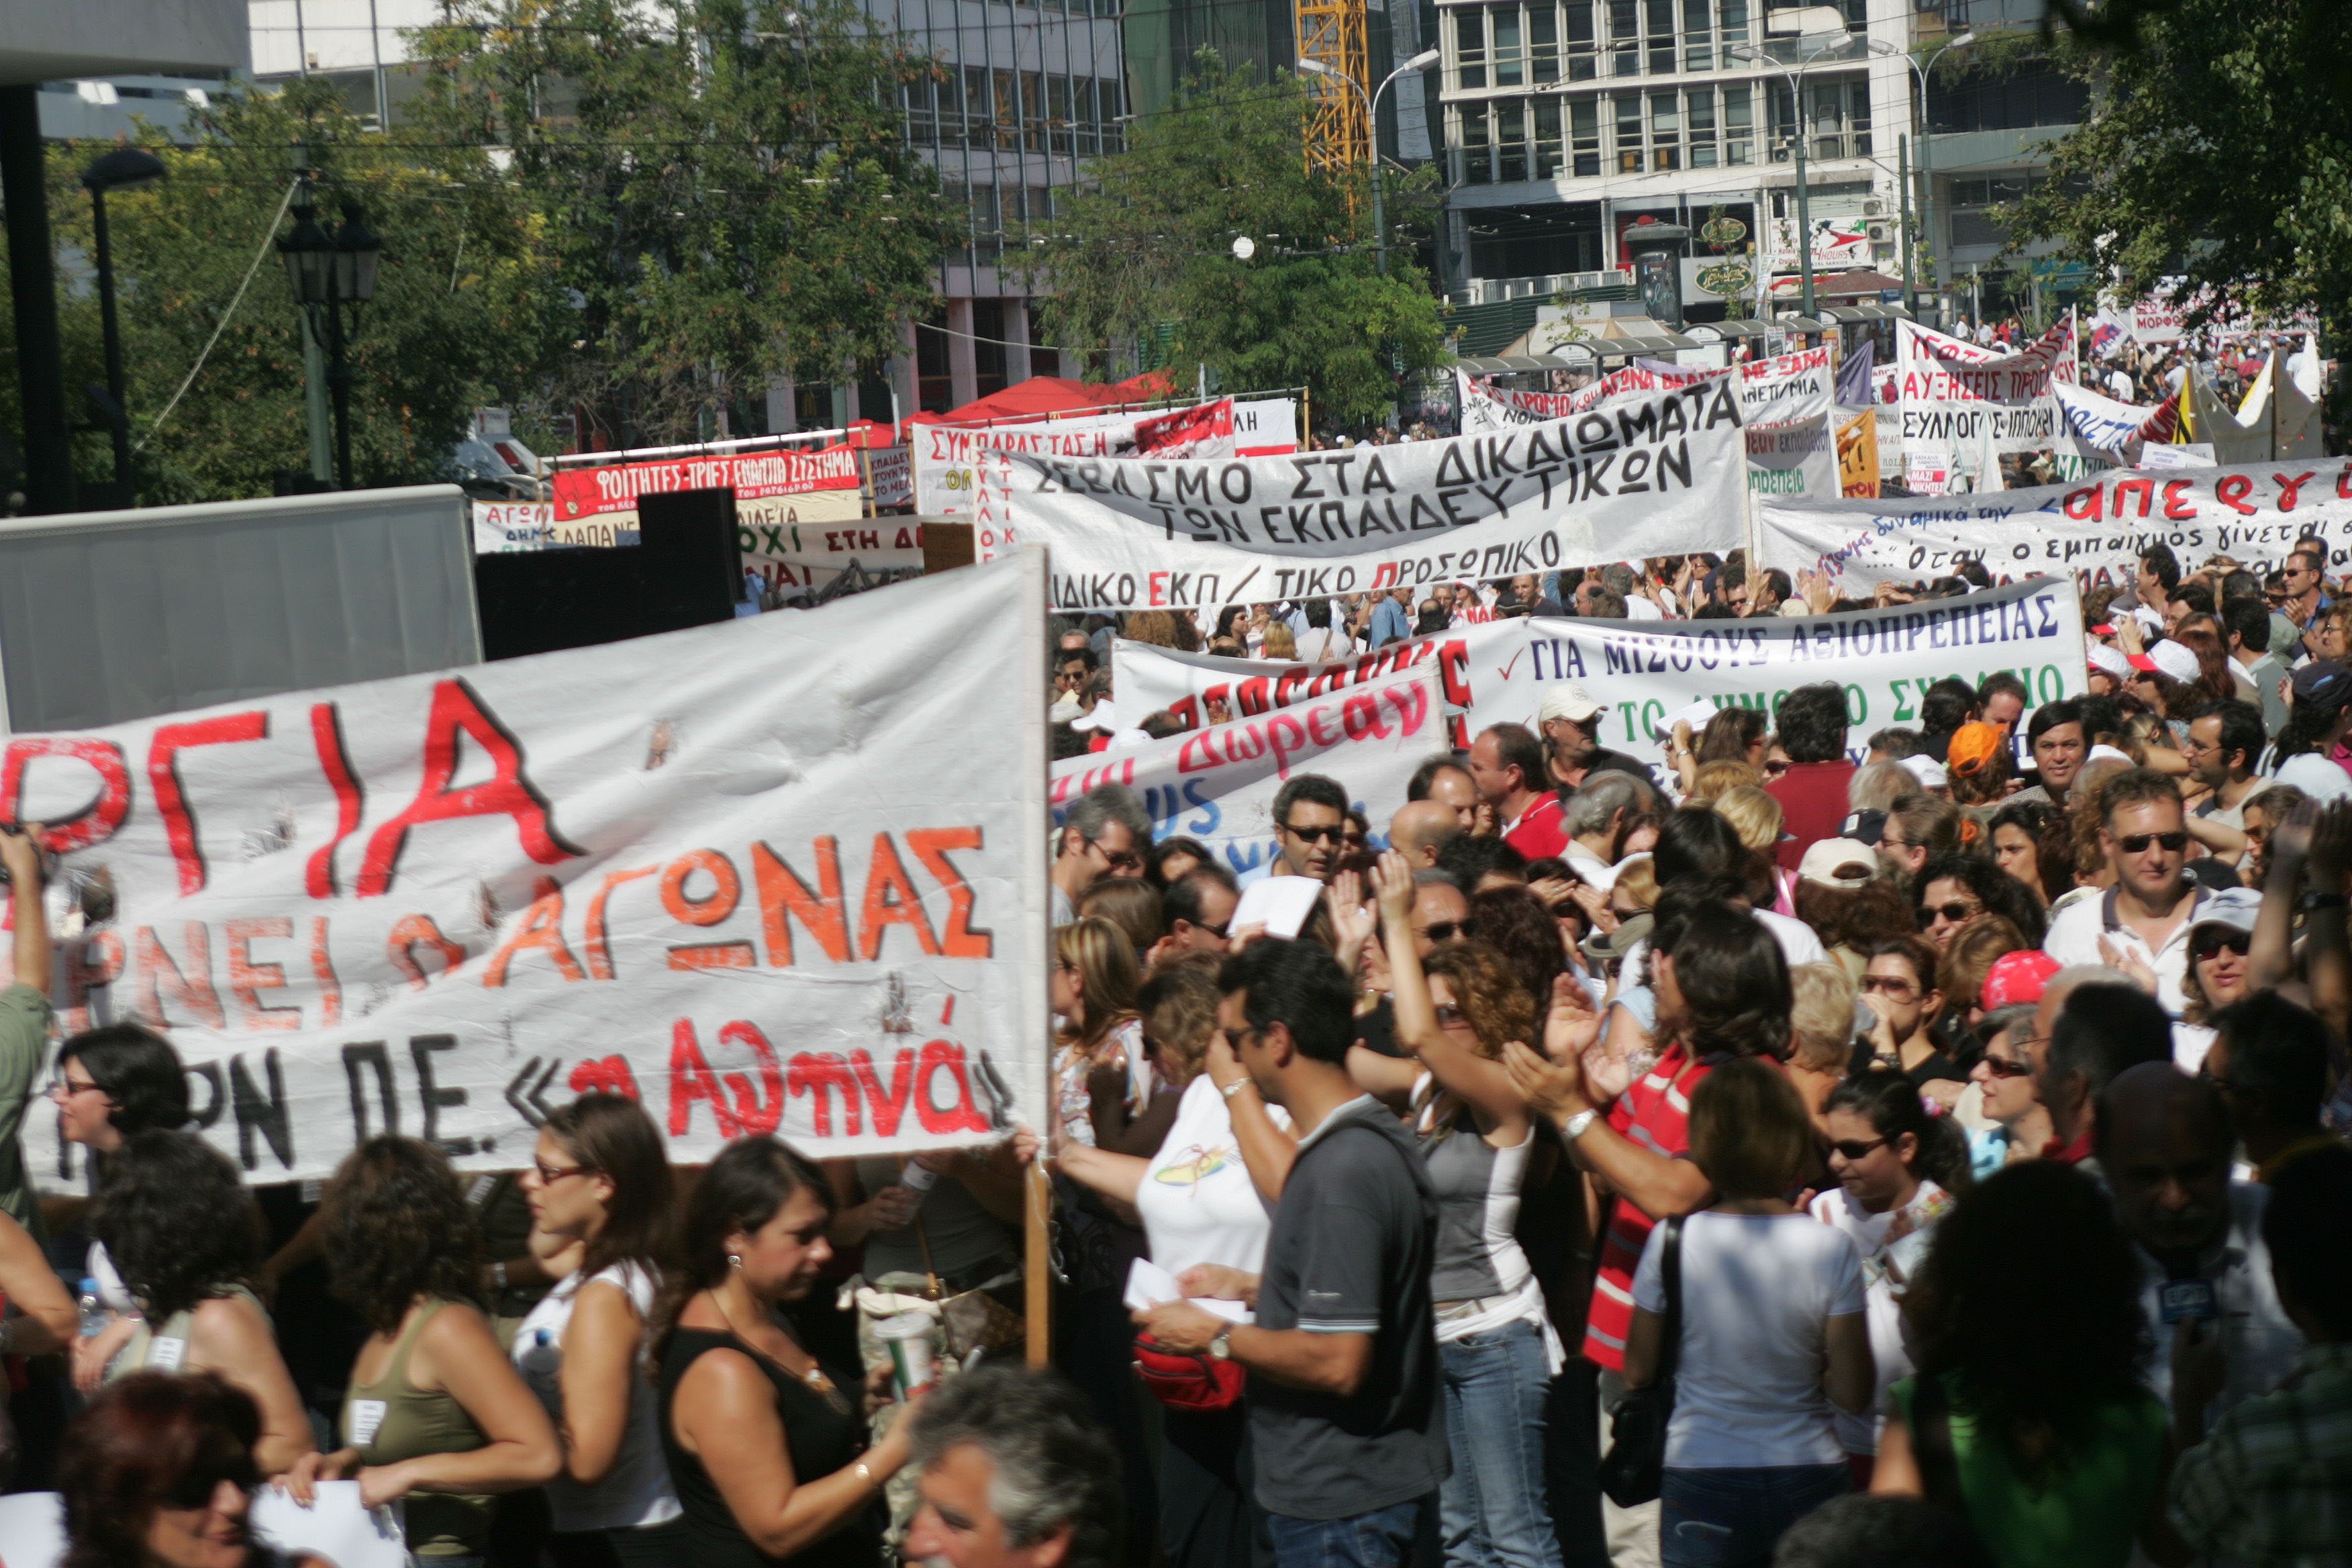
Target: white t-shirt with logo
636	1491
1196	1198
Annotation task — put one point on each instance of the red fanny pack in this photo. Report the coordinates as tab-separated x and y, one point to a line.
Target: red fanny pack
1182	1382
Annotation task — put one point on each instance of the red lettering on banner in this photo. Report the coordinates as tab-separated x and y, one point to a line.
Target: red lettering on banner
247	980
2083	504
192	988
761	1110
1454	671
1317	718
1384	575
1186	711
541	928
887	1107
2289	489
963	1116
322	970
604	1074
400	944
1287	685
691	1078
2232	492
95	823
1411	705
890	900
457	712
163	750
350	799
1252	695
784	897
2144	489
2174	506
2343	482
1283	735
1158	596
820	1075
726	889
1360	715
600	954
931	846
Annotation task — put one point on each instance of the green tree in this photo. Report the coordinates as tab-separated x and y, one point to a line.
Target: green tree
721	187
2219	147
1146	251
449	329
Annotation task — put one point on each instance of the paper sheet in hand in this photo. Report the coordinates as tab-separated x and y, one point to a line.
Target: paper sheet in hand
1280	903
1149	1285
337	1527
32	1530
1697	715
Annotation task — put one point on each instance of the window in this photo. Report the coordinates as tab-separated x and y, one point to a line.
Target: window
1543	45
1470	45
1058	112
1629	133
1008	131
1702	128
1583	63
1548	156
1699	43
1625	37
1032	111
1476	168
1509	66
1511	140
975	106
1662	36
1584	137
1666	130
1739	126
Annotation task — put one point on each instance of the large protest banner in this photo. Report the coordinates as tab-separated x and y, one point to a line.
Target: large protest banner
965	470
1640	671
2094	530
1217	784
1783	389
1659	476
1958	401
797	511
720	870
505	527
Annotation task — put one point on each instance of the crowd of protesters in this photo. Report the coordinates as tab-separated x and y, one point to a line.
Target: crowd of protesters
1816	1148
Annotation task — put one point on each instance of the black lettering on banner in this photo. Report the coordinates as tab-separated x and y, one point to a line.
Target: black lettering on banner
205	1115
1226	479
259	1114
434	1098
1299	491
1193	485
370	1054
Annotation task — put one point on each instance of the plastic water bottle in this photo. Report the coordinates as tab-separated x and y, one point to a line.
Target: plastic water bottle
94	1314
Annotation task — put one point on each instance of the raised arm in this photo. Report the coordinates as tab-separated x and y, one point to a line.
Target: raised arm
21	854
2326	957
1484	1085
1652	1183
1268	1150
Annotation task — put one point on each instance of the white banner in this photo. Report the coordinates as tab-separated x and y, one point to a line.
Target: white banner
720	870
1660	476
2094	530
1264	427
1959	401
503	528
1781	390
1639	671
966	470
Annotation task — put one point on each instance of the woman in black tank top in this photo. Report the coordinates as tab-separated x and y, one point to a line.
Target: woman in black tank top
766	1447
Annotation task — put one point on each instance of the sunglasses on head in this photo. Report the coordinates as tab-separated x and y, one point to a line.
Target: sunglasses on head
1316	835
1446	931
2137	843
2209	942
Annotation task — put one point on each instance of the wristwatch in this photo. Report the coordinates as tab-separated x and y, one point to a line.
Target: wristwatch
1574	1127
1222	1347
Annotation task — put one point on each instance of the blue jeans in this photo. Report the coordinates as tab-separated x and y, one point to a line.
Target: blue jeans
1491	1512
1381	1539
1733	1517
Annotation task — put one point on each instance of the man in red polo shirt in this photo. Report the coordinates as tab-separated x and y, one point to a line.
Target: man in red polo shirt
1812	729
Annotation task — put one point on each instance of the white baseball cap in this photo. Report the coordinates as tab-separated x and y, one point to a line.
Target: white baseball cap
2102	657
1930	772
1567	700
1103	716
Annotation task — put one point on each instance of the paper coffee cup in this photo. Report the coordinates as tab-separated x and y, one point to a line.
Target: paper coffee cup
918	1177
909	1337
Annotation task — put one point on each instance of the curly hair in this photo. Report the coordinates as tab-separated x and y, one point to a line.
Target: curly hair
176	1220
1718	777
1488	990
150	1440
398	1231
1853	917
2000	893
2052	858
2044	1233
1178	1003
1974	949
1515	922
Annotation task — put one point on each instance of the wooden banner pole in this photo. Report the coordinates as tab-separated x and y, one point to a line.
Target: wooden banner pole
1036	1266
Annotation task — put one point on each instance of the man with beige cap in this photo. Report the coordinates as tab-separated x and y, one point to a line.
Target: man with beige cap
1570	721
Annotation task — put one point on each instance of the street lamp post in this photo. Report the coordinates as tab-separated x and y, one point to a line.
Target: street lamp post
1421	61
1927	138
1797	119
331	273
123	169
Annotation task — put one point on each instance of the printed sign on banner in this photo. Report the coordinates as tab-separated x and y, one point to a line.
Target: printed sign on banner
502	528
1857	454
1797	460
1960	400
1660	476
1264	427
718	870
1639	671
965	470
2094	530
797	512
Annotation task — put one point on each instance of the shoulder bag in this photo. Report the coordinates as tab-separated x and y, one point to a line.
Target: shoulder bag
1632	1470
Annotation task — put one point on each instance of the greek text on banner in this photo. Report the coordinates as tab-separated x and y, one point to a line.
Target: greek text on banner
718	870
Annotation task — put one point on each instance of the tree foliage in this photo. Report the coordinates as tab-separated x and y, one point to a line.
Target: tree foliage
721	186
1146	252
451	326
2219	147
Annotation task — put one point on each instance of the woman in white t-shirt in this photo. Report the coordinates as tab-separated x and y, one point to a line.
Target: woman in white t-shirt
600	1198
1773	1332
1898	1169
1206	1201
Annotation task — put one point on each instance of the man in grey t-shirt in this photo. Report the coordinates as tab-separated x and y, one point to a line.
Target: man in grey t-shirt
1342	1360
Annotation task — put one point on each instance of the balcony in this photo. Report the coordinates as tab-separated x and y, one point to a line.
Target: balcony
1608	283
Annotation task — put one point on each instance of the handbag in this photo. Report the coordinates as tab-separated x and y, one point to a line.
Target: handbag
972	1319
1187	1382
1631	1470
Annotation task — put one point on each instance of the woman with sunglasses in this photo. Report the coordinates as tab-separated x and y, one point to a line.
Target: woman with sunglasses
1498	1352
1958	887
599	1190
158	1472
436	1418
1898	1168
2004	1076
2217	973
1898	985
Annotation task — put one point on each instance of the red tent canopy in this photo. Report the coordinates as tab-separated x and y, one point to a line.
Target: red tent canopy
1043	394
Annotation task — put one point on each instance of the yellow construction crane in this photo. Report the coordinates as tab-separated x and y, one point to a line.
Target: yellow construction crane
1338	127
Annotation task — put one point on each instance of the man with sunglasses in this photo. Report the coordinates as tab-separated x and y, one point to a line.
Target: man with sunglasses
23	1018
2305	588
1197	909
1310	831
1104	834
2144	919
